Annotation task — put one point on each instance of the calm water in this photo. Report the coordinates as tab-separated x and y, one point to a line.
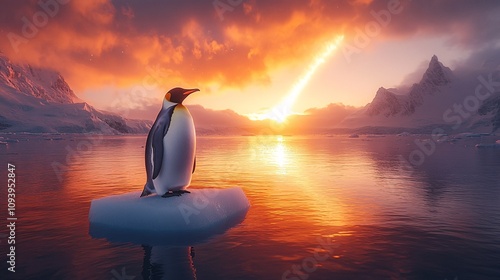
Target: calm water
379	219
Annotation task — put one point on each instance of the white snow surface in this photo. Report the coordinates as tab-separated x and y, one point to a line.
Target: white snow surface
202	210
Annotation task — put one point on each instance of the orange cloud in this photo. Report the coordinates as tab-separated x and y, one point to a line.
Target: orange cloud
97	43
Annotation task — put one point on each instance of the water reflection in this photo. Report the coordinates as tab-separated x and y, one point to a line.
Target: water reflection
280	157
440	220
307	177
164	262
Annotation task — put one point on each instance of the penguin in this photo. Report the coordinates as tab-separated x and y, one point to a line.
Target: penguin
170	147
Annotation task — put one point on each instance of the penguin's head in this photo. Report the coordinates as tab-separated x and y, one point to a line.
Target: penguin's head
177	95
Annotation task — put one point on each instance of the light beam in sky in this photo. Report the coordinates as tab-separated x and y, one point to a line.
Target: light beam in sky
280	112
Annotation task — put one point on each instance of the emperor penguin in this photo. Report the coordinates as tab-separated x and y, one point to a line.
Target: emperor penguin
170	147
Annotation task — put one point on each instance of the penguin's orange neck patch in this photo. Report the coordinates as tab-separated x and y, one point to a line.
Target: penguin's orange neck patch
167	96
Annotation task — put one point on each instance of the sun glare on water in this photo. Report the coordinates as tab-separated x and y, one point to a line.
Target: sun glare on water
280	112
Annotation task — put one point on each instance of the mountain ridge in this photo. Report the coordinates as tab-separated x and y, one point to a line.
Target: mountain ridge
425	104
39	100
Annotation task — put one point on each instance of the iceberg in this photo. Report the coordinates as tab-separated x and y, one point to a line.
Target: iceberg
494	145
154	220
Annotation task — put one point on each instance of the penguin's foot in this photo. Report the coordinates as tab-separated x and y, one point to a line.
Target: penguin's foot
175	193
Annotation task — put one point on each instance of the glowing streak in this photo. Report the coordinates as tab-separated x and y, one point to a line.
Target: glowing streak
281	111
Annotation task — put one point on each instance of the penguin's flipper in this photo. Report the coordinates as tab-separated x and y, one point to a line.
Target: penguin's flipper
194	164
145	192
159	132
148	189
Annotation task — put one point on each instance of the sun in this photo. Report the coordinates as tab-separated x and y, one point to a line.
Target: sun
283	110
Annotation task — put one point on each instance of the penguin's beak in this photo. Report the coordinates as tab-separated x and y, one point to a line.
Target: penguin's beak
189	91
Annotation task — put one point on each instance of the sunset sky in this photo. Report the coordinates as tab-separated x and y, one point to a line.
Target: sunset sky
244	55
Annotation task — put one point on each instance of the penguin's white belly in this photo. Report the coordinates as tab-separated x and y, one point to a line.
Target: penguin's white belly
179	145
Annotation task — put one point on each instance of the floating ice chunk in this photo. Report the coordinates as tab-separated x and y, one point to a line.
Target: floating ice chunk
494	145
156	220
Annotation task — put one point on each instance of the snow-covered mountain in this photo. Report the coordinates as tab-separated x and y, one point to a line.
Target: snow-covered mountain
491	108
44	84
434	101
39	100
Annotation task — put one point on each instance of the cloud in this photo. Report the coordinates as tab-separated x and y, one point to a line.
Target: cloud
467	23
315	120
416	75
208	121
319	119
100	42
103	42
486	59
